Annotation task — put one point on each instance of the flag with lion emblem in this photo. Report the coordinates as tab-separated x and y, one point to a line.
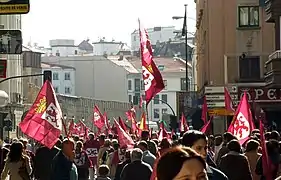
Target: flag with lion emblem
43	122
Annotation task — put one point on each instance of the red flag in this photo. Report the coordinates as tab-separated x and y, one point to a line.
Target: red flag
207	126
106	121
122	124
152	78
143	125
43	121
131	113
242	124
183	124
266	164
98	119
228	101
204	110
135	128
124	139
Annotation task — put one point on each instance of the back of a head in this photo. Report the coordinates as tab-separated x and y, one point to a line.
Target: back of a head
191	136
275	135
136	154
103	170
218	140
171	162
234	145
252	145
144	135
143	144
227	136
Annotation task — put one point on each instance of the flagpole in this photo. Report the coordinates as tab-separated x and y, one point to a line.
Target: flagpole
186	49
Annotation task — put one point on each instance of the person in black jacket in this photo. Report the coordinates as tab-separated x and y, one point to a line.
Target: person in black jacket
43	160
121	165
137	169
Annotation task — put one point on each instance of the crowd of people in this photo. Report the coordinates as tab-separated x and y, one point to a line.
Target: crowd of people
189	156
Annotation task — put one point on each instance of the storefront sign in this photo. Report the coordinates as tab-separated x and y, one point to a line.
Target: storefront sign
14	6
261	94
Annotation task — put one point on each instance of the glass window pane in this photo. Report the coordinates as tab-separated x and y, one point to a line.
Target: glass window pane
244	16
254	16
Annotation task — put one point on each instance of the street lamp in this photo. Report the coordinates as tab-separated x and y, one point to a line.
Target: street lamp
4	98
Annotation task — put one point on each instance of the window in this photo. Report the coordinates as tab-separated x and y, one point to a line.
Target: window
135	38
142	85
130	98
55	76
57	53
56	89
249	68
164	111
164	98
67	90
129	85
183	84
165	84
75	52
136	99
248	16
66	76
156	113
156	99
137	84
36	82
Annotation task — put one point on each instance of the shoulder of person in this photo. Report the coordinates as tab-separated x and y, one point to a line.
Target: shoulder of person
26	157
219	174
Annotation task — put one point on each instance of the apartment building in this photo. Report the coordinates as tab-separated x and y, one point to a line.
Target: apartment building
233	43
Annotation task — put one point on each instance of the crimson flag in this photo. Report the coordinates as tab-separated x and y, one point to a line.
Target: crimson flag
43	122
242	124
152	78
98	119
124	139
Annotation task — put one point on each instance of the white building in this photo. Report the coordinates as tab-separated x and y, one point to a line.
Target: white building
156	34
63	78
173	73
13	86
66	47
95	77
109	47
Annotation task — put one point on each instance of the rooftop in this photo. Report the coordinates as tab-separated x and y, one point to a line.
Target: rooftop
123	63
45	65
32	49
164	64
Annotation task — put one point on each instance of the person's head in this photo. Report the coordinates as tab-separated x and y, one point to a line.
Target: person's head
143	145
16	150
91	136
180	163
76	138
275	135
254	131
136	154
128	155
145	135
102	139
68	148
115	144
107	143
154	136
272	147
24	142
252	146
79	146
234	145
164	144
103	170
218	140
197	141
227	136
110	136
267	135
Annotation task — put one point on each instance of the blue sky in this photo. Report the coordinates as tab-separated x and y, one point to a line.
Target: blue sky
113	19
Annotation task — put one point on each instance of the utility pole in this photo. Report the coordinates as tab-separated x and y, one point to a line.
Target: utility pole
186	50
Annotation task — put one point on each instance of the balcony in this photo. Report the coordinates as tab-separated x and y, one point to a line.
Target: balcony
272	75
272	10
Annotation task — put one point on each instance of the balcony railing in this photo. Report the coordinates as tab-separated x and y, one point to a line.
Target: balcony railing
275	55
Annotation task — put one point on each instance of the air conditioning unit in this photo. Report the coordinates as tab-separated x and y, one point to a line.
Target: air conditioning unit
16	98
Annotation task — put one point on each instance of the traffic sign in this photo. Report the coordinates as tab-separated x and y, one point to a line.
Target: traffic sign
14	7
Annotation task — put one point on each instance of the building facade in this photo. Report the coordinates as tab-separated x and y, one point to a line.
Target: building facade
108	48
156	35
95	77
13	87
233	43
82	108
63	78
173	73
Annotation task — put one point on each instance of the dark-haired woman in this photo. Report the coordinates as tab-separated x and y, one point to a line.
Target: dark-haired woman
17	165
181	164
198	141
